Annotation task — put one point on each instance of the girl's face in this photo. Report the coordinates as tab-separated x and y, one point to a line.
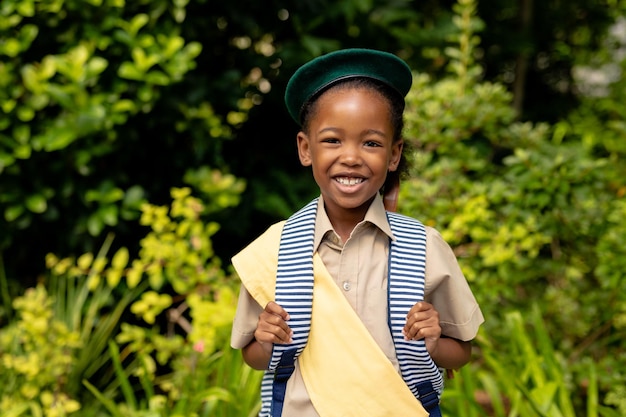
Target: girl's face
349	144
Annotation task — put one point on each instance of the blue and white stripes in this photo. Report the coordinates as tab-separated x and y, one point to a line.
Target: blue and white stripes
405	287
294	277
294	289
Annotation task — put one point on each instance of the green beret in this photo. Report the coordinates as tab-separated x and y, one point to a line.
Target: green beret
326	70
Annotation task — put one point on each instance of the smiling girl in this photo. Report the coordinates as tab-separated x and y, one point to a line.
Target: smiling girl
350	308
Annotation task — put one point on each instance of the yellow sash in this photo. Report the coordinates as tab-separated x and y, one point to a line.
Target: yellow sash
345	371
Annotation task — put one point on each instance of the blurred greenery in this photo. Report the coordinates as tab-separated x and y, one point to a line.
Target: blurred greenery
141	145
528	208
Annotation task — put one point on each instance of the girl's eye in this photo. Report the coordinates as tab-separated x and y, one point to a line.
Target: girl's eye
371	143
330	140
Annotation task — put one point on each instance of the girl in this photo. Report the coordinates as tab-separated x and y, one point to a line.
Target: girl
352	309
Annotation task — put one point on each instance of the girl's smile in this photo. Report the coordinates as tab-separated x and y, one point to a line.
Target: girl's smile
349	144
349	181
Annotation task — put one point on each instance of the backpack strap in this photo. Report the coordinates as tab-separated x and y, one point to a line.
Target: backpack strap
405	287
294	292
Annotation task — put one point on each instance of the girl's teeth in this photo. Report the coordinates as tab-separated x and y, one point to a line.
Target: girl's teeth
350	181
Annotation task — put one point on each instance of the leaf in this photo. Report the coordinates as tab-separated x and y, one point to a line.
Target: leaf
171	45
30	78
137	23
57	138
11	213
142	60
94	225
113	277
85	260
130	71
157	78
133	276
122	377
22	151
120	259
36	203
106	401
124	106
25	114
109	214
16	410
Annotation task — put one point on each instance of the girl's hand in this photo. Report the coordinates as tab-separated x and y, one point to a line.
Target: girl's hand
272	327
422	322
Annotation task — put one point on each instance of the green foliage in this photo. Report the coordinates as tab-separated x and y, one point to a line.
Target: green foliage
188	287
89	305
526	378
530	211
146	336
61	330
107	104
56	99
219	385
534	48
76	80
37	352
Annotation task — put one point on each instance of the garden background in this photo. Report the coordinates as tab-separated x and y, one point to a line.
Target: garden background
143	143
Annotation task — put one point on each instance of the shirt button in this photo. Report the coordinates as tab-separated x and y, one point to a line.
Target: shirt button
346	286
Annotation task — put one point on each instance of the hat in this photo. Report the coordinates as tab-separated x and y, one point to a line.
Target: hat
326	70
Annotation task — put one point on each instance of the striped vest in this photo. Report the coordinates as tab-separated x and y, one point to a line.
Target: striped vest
294	292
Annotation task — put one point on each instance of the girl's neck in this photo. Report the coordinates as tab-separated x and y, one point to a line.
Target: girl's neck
344	221
344	232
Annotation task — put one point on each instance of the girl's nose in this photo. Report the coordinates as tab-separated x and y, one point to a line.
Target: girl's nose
351	155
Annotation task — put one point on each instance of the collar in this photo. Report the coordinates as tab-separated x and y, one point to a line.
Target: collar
376	215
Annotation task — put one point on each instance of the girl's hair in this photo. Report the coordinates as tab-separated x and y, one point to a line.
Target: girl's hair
391	96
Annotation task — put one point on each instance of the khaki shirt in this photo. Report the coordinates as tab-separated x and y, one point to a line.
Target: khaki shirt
359	267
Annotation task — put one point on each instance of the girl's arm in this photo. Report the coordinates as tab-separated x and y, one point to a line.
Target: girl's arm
256	355
451	353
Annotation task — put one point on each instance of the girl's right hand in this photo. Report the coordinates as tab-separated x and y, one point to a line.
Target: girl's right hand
272	327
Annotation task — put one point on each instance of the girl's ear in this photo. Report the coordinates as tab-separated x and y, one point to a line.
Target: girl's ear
304	149
396	154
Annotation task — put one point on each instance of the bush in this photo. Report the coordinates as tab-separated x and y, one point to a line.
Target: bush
529	210
146	336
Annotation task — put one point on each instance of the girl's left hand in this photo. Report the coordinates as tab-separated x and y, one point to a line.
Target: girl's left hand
422	322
